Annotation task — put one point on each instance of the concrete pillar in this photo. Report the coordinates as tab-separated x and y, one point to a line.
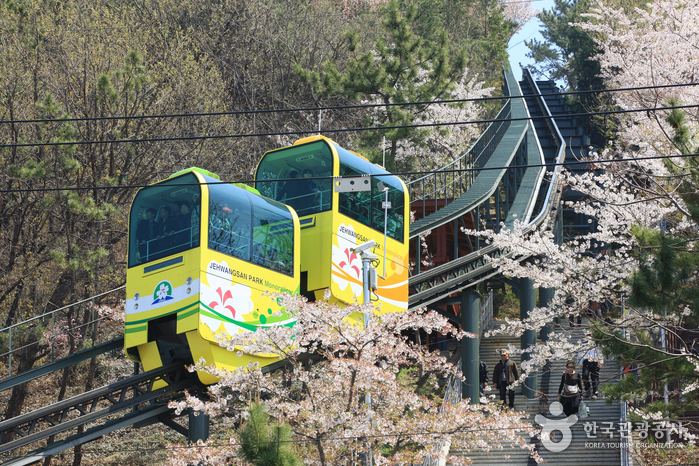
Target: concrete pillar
545	297
198	427
527	302
470	347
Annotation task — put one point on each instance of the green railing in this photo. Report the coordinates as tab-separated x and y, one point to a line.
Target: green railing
57	329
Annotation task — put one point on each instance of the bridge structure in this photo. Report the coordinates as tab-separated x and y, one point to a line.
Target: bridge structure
512	173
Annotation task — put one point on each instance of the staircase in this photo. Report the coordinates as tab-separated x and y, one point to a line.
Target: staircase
580	452
577	147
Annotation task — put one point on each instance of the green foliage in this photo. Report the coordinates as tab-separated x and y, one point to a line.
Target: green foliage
106	93
265	442
401	67
480	28
688	173
654	369
506	305
665	280
28	170
664	284
656	283
567	51
678	121
567	54
410	377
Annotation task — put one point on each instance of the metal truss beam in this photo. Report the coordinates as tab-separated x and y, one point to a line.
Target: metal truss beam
93	405
62	363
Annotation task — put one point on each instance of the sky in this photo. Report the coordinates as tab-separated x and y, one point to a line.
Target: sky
517	49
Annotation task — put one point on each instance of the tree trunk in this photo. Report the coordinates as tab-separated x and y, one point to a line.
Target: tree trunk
77	451
61	394
321	451
89	382
67	372
19	394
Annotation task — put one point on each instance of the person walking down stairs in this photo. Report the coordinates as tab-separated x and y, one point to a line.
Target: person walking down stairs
505	374
590	362
570	390
482	377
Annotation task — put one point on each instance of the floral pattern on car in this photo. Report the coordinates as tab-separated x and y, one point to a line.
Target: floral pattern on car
225	300
347	266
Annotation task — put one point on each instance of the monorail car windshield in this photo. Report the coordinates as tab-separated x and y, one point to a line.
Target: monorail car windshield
167	220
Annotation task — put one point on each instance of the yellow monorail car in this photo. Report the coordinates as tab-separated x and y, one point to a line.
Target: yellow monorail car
201	256
333	221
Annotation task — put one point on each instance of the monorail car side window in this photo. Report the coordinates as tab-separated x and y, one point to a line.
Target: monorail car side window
230	215
164	219
300	166
273	235
367	206
355	204
396	199
251	228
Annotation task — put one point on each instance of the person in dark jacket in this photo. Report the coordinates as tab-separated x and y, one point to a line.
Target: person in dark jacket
483	377
570	391
504	375
590	363
297	192
146	231
166	227
183	224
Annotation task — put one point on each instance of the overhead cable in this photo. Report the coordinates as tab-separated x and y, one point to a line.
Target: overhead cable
414	173
343	130
341	107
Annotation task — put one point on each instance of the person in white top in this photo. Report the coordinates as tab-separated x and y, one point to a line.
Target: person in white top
590	363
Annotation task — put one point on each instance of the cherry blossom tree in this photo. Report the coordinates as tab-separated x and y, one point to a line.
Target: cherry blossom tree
641	256
443	144
342	393
519	13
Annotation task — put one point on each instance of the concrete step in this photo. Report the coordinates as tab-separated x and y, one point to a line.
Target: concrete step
567	123
570	131
585	448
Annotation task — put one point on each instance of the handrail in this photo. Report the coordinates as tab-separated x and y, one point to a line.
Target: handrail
479	153
541	174
625	435
486	322
127	394
34	373
123	287
52	338
560	157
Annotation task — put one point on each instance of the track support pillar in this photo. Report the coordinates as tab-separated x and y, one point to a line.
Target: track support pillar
198	427
470	358
527	302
